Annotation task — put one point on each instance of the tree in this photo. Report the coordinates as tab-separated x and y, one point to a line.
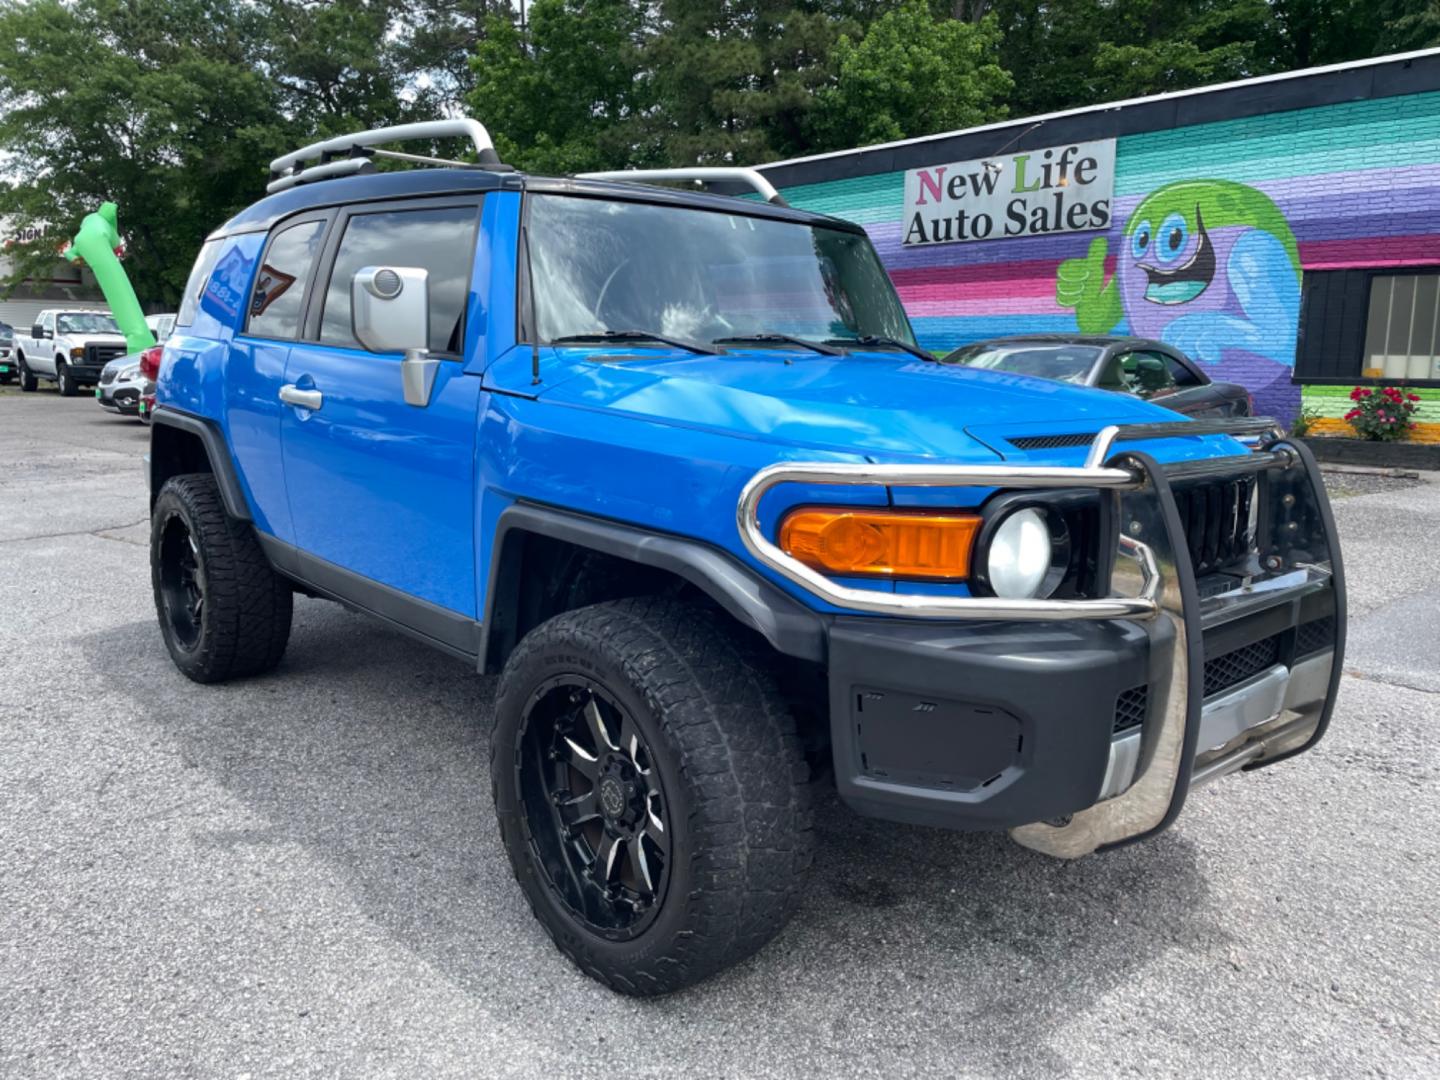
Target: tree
174	108
333	65
909	75
734	82
159	105
562	94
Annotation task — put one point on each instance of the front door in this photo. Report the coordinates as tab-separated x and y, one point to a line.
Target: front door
383	492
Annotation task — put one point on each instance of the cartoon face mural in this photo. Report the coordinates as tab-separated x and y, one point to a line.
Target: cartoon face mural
1210	267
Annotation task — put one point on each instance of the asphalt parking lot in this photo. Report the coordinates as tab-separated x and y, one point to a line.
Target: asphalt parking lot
299	875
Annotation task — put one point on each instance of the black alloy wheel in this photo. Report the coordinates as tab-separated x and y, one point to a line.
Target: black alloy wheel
594	805
63	379
650	790
182	583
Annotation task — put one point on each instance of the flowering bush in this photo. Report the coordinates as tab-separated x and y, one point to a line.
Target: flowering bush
1382	415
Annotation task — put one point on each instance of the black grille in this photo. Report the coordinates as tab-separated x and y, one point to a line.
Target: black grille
1051	442
103	354
1215	518
1130	708
1237	665
1315	636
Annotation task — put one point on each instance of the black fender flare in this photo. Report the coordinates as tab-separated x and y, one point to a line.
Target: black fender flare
789	626
216	450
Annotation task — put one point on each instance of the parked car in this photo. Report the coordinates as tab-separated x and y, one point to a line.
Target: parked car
8	371
672	464
123	384
68	348
1127	365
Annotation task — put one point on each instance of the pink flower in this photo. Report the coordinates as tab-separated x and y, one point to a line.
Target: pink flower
1412	397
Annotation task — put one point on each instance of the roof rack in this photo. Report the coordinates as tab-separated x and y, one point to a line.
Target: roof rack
345	155
706	174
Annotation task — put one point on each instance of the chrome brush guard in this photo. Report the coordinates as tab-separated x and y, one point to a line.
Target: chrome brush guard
1154	582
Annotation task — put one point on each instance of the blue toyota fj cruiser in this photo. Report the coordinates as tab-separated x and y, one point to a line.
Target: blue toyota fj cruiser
671	463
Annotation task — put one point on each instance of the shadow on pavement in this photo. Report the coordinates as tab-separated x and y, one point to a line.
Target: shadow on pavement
371	751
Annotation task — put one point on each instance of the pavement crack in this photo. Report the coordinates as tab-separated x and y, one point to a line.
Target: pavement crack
77	532
1364	677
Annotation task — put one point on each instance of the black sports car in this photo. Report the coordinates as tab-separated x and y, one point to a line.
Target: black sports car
1139	366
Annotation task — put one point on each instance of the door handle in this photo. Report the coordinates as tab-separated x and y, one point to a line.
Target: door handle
291	394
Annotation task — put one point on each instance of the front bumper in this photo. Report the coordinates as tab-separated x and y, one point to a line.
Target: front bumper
124	399
1081	724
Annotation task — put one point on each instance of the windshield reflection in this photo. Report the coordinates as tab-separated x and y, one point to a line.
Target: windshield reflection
601	266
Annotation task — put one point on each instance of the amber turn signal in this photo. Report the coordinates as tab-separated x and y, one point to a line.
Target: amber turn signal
881	543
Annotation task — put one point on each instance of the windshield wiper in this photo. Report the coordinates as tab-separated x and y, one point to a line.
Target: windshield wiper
778	339
877	341
637	335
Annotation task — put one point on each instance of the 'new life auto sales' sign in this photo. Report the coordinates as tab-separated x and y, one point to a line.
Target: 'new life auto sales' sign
1024	193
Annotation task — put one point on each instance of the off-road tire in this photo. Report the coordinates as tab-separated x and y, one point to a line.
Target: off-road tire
245	622
28	382
63	379
733	771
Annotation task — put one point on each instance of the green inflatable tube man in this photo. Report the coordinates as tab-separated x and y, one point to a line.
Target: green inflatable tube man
95	243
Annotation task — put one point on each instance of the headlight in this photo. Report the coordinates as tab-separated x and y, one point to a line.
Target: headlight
1026	555
76	352
132	372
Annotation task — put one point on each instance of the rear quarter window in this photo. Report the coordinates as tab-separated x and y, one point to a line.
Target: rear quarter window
195	284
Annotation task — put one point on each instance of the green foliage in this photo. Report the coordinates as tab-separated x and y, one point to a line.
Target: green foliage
562	98
736	82
159	105
912	74
173	108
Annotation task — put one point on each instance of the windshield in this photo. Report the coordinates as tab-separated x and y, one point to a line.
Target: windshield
698	275
86	322
1067	363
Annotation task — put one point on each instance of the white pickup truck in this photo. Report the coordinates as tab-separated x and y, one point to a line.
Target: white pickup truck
68	348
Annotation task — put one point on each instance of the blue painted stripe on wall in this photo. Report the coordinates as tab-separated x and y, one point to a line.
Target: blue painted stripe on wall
951	331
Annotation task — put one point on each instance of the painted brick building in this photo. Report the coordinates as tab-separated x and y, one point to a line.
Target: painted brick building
1283	231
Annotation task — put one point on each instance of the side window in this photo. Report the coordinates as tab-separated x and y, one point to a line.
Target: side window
195	285
1183	376
47	321
278	298
441	241
1146	374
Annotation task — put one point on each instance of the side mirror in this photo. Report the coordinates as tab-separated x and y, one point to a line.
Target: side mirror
37	331
390	308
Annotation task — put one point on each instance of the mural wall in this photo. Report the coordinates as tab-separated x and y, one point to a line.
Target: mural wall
1212	229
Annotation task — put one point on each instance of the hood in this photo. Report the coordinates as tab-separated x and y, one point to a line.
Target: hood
885	405
105	338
